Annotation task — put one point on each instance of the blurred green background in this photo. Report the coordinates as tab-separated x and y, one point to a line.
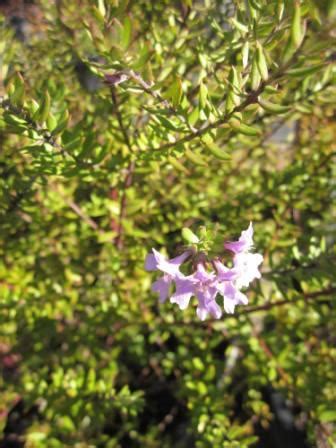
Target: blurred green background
226	115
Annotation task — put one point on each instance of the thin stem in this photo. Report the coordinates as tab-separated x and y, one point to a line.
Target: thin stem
156	95
251	98
77	209
129	171
43	133
243	311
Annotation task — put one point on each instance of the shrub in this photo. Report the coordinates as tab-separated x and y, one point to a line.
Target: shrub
121	123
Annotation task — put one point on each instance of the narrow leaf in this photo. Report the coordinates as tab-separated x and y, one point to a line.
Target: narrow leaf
189	236
271	107
261	62
195	158
177	165
296	32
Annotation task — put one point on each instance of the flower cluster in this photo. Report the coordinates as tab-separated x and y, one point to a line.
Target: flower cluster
205	285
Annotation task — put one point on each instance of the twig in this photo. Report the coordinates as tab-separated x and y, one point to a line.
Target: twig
123	203
156	95
243	311
77	209
251	98
306	296
120	119
148	88
43	133
129	171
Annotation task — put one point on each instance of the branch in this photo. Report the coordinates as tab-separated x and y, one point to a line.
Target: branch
251	98
129	172
243	311
43	133
77	209
156	95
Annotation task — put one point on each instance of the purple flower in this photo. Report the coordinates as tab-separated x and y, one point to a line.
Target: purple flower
185	288
162	286
245	263
224	273
204	285
170	268
207	303
228	288
232	296
245	242
206	292
201	284
157	262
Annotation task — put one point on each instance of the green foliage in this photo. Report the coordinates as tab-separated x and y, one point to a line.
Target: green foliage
225	115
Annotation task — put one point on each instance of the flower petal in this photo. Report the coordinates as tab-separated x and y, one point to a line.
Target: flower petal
246	265
170	267
201	275
223	272
150	263
184	290
207	303
201	312
245	242
214	309
232	297
161	286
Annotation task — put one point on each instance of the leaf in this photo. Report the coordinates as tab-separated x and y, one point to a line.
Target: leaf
13	120
33	106
327	416
214	148
174	93
255	4
101	155
280	10
88	146
271	107
126	33
106	237
245	54
239	26
270	89
97	13
193	116
243	128
16	89
75	143
189	236
304	70
195	158
178	165
233	99
166	123
296	32
203	95
102	8
62	123
143	58
234	80
51	122
255	76
261	62
43	111
203	60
